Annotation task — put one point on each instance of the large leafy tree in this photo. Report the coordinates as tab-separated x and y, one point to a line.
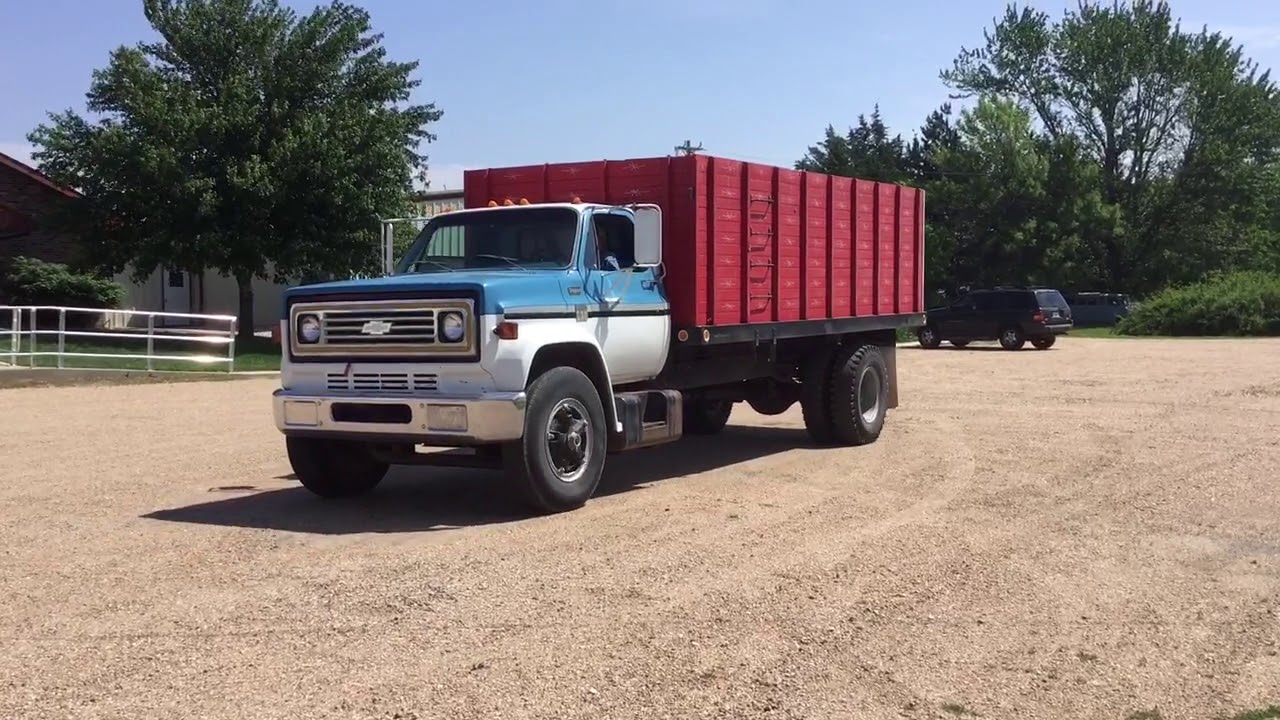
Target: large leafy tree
1184	129
247	139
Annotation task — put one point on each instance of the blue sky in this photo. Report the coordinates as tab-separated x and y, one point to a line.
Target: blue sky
563	80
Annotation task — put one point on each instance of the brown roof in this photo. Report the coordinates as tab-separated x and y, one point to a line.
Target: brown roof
36	175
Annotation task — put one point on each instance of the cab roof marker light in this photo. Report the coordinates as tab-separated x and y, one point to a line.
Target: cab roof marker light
524	201
507	202
493	203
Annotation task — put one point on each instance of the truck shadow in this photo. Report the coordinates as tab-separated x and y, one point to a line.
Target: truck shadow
416	499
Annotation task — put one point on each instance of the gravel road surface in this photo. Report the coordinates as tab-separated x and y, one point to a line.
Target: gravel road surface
1088	532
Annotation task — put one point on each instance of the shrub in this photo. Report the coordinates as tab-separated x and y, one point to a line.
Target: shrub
35	282
1242	303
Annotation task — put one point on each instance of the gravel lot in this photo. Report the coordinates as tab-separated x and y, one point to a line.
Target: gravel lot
1087	532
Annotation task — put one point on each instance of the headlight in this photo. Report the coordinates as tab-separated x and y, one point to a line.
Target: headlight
308	329
451	327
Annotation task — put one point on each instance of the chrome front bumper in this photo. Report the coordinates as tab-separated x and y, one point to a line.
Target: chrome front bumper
443	420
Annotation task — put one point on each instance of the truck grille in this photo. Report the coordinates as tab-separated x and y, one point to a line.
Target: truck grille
374	382
373	327
383	328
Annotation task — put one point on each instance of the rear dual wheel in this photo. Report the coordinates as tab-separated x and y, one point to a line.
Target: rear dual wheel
845	395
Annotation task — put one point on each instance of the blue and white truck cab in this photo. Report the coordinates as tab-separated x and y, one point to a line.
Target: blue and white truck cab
503	329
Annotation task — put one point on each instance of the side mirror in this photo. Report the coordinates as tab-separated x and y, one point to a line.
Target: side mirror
648	226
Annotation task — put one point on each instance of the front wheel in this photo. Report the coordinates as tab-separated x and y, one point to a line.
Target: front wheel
334	468
557	465
929	337
859	395
1044	343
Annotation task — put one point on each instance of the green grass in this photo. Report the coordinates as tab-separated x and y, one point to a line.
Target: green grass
253	355
1111	334
1268	713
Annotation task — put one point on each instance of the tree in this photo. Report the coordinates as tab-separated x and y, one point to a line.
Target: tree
1181	126
248	139
865	151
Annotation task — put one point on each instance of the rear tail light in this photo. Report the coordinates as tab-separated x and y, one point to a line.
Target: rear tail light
1038	317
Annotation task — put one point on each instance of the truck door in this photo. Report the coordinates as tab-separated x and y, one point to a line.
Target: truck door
628	309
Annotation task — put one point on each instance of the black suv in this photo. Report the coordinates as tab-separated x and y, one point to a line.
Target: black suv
1011	315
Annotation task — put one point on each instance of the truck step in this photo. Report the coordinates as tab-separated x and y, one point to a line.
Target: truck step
649	417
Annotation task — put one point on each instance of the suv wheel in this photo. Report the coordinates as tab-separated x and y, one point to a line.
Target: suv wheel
1044	343
928	337
1011	338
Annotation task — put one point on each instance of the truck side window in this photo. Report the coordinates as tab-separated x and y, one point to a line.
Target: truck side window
615	239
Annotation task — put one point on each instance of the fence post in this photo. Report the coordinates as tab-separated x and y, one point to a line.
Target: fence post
231	346
151	340
15	335
31	361
62	334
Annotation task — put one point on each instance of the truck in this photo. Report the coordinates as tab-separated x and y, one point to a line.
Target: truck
572	311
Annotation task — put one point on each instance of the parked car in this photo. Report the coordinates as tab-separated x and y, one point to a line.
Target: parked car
1012	316
1096	309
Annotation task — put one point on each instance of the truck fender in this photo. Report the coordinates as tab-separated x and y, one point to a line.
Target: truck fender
584	356
543	344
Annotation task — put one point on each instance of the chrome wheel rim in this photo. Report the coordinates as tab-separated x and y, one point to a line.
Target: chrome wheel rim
869	395
569	440
1011	337
926	336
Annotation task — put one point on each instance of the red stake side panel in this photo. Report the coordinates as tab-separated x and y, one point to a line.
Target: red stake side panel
750	243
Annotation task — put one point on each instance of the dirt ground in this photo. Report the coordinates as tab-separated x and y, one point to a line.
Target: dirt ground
1088	532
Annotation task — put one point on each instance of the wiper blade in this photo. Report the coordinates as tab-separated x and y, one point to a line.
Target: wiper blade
413	266
500	257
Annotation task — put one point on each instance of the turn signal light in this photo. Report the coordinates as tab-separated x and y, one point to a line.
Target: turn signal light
507	330
1038	317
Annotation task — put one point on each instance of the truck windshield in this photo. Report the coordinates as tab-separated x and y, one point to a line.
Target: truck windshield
510	238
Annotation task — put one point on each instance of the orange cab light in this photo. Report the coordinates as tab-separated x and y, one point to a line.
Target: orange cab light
507	330
507	202
577	200
524	201
493	203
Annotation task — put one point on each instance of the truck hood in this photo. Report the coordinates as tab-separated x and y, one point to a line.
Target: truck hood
499	290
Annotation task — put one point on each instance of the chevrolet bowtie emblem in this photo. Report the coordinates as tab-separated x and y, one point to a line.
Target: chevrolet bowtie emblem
375	327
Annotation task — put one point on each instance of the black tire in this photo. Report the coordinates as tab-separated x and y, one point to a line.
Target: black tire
334	468
815	376
1044	343
566	481
859	395
1011	338
960	343
929	337
705	417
